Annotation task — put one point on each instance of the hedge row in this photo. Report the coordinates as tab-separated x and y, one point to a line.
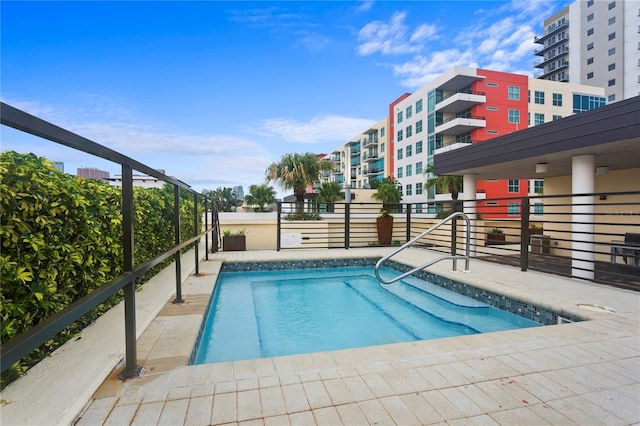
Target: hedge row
61	238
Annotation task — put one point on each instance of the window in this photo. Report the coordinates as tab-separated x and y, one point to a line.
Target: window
408	151
589	3
492	84
514	116
382	147
611	98
612	5
590	60
612	36
419	168
418	106
556	117
399	154
611	82
590	17
408	189
408	131
538	186
514	186
408	170
589	32
418	189
557	99
538	97
589	75
587	102
513	208
491	108
612	67
409	111
399	119
590	46
399	172
611	51
612	20
418	126
538	119
418	147
538	209
514	93
491	132
399	138
382	131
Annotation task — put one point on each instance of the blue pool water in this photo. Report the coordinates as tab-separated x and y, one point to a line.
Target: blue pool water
272	313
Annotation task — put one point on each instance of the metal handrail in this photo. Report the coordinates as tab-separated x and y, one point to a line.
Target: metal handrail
452	256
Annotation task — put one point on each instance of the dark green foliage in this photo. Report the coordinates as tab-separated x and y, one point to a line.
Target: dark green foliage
61	238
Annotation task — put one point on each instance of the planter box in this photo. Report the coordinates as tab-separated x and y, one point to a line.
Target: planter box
234	243
385	230
495	239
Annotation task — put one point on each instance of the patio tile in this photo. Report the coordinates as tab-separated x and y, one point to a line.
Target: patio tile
277	421
98	411
249	406
294	398
398	411
421	408
199	411
272	402
121	415
316	394
351	414
375	412
326	416
304	418
358	388
224	408
148	414
173	412
378	385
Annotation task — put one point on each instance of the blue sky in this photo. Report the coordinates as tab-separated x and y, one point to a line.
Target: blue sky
213	92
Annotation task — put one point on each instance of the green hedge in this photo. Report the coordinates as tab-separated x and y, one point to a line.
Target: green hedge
61	238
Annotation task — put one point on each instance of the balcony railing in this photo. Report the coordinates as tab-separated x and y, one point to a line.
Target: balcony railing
21	345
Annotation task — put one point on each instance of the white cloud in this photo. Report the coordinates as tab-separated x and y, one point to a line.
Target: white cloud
422	69
322	128
393	37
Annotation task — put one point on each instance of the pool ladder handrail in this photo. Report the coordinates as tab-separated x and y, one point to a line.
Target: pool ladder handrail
454	257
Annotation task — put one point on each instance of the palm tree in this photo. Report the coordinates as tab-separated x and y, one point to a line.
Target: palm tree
329	192
388	192
260	195
451	184
224	199
296	172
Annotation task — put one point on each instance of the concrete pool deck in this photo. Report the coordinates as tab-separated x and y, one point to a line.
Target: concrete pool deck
578	373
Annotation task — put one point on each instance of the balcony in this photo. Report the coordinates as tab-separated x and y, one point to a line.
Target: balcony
451	147
543	50
556	69
459	101
543	62
541	39
370	156
458	125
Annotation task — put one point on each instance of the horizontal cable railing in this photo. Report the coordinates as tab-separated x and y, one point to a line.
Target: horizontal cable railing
22	344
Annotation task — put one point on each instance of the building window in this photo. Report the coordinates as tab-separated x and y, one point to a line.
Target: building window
611	82
538	209
590	17
612	20
418	126
556	117
408	151
399	154
589	3
590	60
590	46
409	170
513	208
399	119
538	186
611	51
557	99
612	5
418	189
491	132
382	147
492	84
409	131
538	119
382	131
491	108
612	67
419	168
399	135
589	32
408	189
590	75
612	36
514	186
418	106
538	97
514	93
514	116
418	147
583	103
409	111
611	98
400	172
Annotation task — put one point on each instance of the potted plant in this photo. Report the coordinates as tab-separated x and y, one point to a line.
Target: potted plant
234	242
495	236
535	230
388	192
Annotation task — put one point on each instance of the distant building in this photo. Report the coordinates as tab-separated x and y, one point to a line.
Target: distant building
239	192
594	42
59	165
143	181
92	173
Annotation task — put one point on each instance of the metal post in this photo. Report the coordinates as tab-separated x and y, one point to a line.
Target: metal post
196	219
278	225
408	236
454	239
206	226
176	256
347	224
524	234
131	368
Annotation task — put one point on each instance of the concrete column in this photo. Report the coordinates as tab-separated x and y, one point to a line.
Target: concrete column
469	184
582	216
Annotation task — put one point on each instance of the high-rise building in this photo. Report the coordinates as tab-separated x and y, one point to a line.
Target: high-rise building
593	42
92	173
59	165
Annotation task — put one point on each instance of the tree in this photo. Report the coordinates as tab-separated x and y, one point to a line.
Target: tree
296	172
224	199
329	192
448	183
260	195
389	193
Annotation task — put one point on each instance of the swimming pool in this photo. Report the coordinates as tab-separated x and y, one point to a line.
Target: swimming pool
257	314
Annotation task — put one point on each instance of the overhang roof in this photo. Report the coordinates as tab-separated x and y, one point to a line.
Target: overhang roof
611	133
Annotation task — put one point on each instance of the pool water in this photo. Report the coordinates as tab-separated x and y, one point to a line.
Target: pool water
272	313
